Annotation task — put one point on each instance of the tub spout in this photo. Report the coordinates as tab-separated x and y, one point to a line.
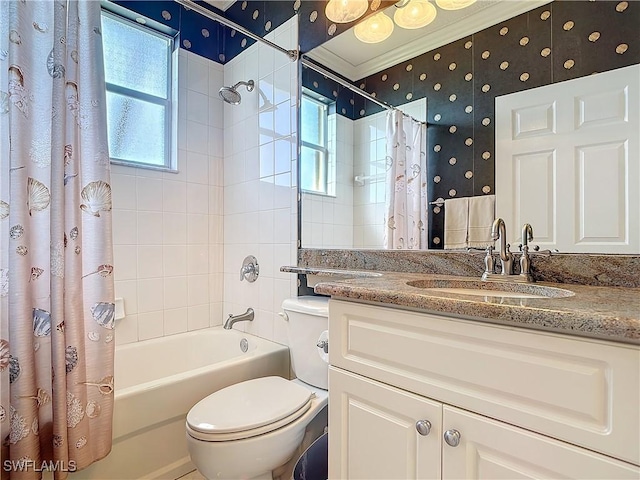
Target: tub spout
245	317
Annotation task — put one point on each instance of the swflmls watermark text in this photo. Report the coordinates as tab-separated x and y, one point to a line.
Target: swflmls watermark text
44	466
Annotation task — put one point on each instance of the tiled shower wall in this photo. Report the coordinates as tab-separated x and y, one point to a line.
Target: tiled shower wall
167	227
327	220
260	177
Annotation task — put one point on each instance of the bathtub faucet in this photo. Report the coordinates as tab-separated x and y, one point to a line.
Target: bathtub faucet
245	317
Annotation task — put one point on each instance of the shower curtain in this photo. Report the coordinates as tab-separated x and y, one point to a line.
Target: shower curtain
406	192
56	284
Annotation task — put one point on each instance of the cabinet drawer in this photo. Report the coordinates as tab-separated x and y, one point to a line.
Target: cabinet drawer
585	392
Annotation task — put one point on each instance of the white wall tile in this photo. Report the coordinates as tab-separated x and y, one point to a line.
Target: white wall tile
175	321
123	190
197	137
125	259
198	317
174	260
150	325
174	196
174	229
197	198
175	292
198	167
198	290
149	264
128	291
198	107
149	228
197	259
125	227
149	193
150	295
127	330
198	74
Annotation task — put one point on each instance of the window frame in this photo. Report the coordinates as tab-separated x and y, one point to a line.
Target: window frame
169	103
323	149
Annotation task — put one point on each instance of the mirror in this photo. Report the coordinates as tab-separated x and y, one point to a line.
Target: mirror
468	63
343	164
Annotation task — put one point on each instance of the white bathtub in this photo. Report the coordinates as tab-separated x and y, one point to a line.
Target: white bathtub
157	382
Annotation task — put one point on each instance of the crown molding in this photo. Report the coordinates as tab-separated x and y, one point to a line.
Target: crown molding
473	23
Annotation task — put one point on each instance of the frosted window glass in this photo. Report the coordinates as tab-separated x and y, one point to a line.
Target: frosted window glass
136	130
313	121
134	58
313	170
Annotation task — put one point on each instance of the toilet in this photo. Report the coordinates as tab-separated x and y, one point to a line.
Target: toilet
249	429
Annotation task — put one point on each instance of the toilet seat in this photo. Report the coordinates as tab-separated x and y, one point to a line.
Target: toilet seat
248	409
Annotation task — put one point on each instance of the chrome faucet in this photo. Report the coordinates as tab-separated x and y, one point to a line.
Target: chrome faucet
525	261
499	231
245	317
250	269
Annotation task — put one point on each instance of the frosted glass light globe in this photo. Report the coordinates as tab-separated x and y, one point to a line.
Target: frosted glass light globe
345	11
416	14
374	29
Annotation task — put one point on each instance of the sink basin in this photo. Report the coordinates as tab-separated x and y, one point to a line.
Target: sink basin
490	289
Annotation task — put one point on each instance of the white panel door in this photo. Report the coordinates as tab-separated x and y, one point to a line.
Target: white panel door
494	450
372	431
568	162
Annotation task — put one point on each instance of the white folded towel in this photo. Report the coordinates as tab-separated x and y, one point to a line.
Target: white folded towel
481	216
456	219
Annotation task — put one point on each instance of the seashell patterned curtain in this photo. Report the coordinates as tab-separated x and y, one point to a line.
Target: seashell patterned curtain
406	201
56	282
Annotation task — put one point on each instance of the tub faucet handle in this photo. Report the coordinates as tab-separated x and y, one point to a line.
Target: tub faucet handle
250	269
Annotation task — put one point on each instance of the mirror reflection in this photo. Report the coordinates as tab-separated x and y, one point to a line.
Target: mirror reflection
461	81
346	165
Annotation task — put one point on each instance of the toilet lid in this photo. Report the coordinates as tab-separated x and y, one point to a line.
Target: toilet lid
248	405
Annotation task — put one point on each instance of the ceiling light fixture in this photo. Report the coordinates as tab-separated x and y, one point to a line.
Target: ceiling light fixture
454	4
415	14
345	11
374	29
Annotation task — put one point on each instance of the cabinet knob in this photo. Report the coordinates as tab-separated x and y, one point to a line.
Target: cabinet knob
423	427
452	437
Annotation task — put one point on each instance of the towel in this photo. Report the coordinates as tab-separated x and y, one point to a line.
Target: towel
456	220
481	216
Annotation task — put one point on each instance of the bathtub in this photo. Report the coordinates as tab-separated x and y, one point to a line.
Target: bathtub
157	382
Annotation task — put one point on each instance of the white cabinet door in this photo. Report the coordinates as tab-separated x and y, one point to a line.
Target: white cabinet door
372	431
568	163
493	450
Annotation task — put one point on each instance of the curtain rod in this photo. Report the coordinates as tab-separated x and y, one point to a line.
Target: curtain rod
189	4
309	63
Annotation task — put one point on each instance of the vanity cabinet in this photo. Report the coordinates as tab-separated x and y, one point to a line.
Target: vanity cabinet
524	404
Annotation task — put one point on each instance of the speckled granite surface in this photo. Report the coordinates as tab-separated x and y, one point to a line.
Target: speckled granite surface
598	312
580	269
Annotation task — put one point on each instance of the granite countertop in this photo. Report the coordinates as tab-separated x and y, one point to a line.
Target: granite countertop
608	313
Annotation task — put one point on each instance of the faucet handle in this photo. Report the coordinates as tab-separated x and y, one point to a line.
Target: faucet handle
250	269
477	250
544	253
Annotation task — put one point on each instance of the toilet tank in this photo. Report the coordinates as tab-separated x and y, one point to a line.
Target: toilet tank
308	318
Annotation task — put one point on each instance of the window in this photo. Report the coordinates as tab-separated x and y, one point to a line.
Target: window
138	72
314	154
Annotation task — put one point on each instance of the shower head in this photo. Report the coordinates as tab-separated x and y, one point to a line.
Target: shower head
231	95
